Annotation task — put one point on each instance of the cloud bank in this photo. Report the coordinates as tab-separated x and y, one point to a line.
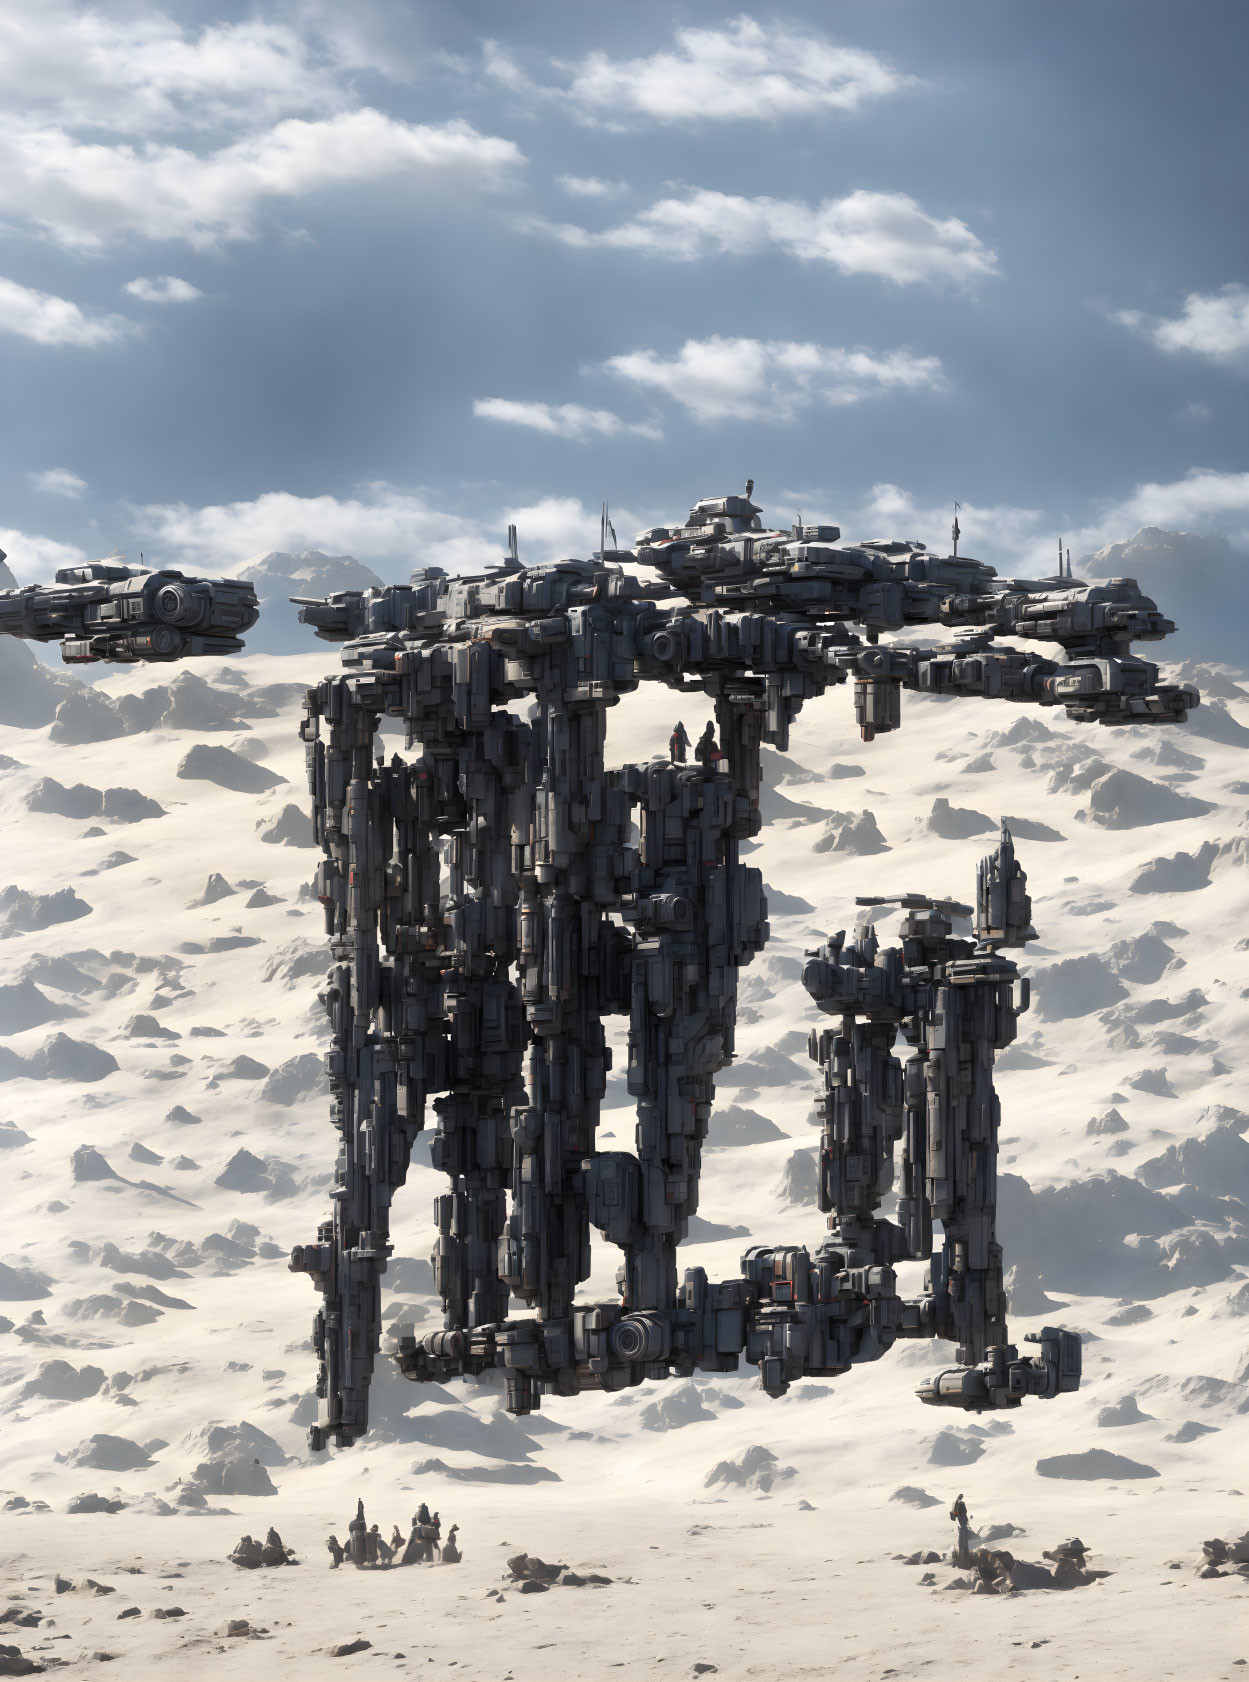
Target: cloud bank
45	319
772	380
744	71
1211	324
884	234
562	420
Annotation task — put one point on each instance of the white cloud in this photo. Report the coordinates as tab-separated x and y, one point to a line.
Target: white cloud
590	187
141	72
772	379
388	527
46	319
1211	324
1025	540
33	559
1003	535
1204	499
741	71
501	67
383	526
886	234
163	289
84	194
562	420
59	481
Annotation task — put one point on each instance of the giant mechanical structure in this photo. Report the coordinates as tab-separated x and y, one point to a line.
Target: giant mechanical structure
496	892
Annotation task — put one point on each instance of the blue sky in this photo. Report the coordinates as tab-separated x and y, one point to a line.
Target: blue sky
379	278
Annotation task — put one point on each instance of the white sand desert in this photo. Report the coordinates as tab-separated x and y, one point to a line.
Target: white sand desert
147	1302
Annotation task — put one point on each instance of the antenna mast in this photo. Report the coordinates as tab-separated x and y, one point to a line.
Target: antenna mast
956	530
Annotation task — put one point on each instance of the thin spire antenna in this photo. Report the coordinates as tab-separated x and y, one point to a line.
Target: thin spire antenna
513	551
956	530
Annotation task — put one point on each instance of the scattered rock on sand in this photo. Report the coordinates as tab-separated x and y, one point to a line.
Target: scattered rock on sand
856	834
127	805
732	1124
1124	1412
507	1473
679	1406
755	1468
1091	1465
299	1077
1076	987
22	1284
1145	957
1153	1081
291	828
1122	799
85	716
800	1183
243	1068
23	1005
95	1504
295	962
26	913
149	1262
951	1449
78	801
1132	1314
88	1164
956	823
266	1176
216	888
1189	1432
216	764
144	1027
13	1662
1109	1122
62	1058
1217	1162
104	1453
59	1381
233	1476
1032	829
911	1496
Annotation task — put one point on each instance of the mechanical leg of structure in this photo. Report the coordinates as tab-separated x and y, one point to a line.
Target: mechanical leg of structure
487	908
488	990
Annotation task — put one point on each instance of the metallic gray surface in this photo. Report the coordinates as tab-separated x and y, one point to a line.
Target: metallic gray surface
493	896
488	905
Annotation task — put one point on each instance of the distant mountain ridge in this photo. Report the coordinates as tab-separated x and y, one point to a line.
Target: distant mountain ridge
1201	582
279	575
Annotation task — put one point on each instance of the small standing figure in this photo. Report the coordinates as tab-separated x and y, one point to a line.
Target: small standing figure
358	1538
336	1552
248	1554
414	1553
707	752
425	1530
379	1547
958	1512
396	1541
679	744
274	1550
451	1554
